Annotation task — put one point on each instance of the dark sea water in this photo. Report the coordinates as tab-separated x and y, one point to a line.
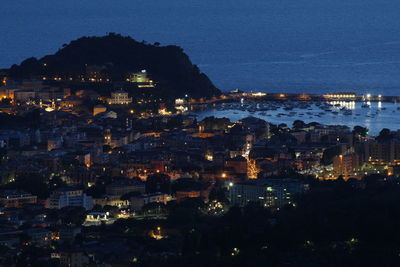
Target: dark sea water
313	46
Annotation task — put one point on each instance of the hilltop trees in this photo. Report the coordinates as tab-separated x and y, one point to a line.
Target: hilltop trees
117	56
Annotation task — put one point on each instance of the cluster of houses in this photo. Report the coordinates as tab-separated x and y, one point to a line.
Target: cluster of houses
110	165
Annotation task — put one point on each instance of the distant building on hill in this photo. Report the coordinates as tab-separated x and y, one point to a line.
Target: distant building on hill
95	73
140	78
272	193
16	198
69	196
183	194
139	201
125	186
119	98
99	109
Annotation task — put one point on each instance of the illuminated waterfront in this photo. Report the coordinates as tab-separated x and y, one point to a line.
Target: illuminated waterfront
375	117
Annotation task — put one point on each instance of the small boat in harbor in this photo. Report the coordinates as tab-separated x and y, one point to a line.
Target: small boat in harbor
365	105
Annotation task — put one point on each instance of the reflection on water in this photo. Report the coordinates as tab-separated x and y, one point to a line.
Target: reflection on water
344	104
373	115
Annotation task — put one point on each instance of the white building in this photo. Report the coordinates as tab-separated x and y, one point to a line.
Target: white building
69	196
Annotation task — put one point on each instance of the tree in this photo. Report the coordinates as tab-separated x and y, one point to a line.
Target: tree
218	193
56	182
73	215
24	238
384	135
282	125
215	124
154	208
6	101
36	184
361	131
129	195
187	211
158	182
96	190
185	184
329	154
175	75
299	124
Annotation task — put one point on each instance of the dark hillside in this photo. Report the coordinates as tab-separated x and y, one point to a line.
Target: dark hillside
168	66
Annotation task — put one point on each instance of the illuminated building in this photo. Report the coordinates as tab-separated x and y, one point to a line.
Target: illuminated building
238	164
266	192
163	110
304	97
125	186
393	170
16	199
209	156
69	196
180	104
141	79
39	236
97	218
382	153
139	202
180	195
343	96
99	109
258	94
95	73
54	143
24	95
119	98
180	101
346	165
71	102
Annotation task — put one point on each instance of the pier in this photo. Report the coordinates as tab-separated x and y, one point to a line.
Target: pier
260	96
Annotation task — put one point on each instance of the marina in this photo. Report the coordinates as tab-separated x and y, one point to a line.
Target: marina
373	115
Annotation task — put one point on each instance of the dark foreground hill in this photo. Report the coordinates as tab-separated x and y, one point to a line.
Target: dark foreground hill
168	66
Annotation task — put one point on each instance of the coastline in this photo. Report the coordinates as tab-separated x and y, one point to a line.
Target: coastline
345	96
372	112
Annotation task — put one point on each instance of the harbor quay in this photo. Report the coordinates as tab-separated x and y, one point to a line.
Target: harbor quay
237	95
